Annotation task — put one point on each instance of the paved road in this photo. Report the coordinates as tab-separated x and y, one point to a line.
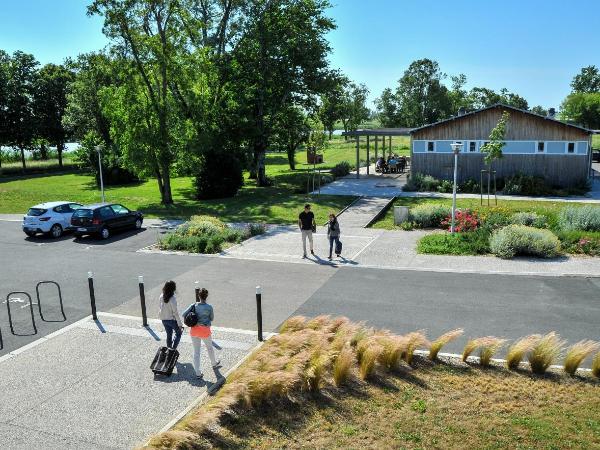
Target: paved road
509	306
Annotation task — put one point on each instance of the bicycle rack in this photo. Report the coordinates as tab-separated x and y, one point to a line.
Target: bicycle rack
12	329
37	293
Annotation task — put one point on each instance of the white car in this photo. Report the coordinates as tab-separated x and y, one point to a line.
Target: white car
52	218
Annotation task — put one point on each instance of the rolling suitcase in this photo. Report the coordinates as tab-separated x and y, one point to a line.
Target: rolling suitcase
164	361
338	247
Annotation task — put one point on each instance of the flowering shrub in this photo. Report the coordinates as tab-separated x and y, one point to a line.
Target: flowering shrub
464	220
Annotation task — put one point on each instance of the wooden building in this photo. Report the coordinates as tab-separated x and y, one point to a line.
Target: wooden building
535	145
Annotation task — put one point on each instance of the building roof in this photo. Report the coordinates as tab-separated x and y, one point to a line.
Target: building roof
379	132
500	105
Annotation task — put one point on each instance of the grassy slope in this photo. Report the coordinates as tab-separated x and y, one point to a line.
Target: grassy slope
435	407
277	204
541	207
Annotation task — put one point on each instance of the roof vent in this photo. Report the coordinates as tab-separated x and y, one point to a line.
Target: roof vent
551	113
462	111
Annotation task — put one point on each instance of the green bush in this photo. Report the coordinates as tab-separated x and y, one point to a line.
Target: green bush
219	175
445	186
584	218
428	215
470	186
341	169
580	242
529	219
521	184
494	220
255	229
470	243
417	182
514	240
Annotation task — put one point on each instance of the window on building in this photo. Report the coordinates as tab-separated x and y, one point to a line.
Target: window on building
472	146
571	147
430	146
541	147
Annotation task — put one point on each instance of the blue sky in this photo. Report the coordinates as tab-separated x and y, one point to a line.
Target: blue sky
531	47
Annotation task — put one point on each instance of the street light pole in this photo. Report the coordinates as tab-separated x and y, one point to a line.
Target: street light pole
98	149
456	150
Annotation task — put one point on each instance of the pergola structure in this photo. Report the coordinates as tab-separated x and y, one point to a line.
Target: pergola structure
368	133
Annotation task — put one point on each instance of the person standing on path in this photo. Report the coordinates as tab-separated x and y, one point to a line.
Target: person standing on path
169	314
307	224
201	331
333	233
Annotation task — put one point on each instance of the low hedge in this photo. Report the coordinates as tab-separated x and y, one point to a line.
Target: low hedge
515	240
428	215
470	243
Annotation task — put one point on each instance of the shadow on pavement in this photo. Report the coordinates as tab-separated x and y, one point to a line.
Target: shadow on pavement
93	240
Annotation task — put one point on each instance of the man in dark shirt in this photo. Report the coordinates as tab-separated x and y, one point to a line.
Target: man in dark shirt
306	222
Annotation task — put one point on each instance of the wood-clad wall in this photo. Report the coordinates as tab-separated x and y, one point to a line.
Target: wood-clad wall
520	127
557	170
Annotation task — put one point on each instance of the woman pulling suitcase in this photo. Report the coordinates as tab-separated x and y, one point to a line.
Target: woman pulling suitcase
199	316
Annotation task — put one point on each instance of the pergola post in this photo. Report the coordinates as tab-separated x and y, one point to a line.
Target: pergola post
383	146
357	156
390	149
368	160
376	141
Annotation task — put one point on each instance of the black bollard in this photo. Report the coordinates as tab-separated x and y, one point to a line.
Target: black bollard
143	301
197	290
92	295
259	312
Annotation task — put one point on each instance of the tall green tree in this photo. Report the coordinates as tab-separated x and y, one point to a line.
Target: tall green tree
354	106
20	120
153	37
331	108
587	81
582	108
419	98
492	150
280	59
50	103
4	71
291	129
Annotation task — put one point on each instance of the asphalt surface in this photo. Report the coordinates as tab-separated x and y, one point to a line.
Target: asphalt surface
501	305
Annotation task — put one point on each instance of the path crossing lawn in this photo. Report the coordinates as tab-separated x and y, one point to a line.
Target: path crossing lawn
277	204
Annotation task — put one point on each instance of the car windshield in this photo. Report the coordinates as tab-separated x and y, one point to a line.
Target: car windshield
36	211
83	213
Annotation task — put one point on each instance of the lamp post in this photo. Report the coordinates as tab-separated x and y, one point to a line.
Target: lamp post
99	150
456	150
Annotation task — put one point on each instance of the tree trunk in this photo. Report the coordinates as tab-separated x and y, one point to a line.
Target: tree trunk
59	149
43	152
22	158
330	133
259	157
291	154
166	196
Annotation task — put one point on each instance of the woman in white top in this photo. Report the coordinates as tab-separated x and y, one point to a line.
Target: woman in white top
170	315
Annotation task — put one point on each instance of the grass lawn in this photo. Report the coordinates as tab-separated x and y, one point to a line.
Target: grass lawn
280	203
540	207
439	406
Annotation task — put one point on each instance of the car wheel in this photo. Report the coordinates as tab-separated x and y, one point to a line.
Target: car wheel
104	233
56	231
30	233
138	224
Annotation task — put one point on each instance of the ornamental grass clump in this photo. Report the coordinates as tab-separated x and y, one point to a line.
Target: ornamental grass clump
544	352
519	240
443	340
519	349
414	340
488	347
342	366
596	365
368	359
393	349
293	324
577	353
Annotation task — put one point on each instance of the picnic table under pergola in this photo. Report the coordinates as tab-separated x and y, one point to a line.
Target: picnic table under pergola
376	135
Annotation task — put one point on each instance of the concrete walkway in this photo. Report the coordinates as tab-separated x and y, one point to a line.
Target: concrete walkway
89	385
362	212
396	250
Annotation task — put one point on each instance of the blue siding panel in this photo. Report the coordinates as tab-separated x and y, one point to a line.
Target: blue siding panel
419	146
519	147
443	146
555	147
582	148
